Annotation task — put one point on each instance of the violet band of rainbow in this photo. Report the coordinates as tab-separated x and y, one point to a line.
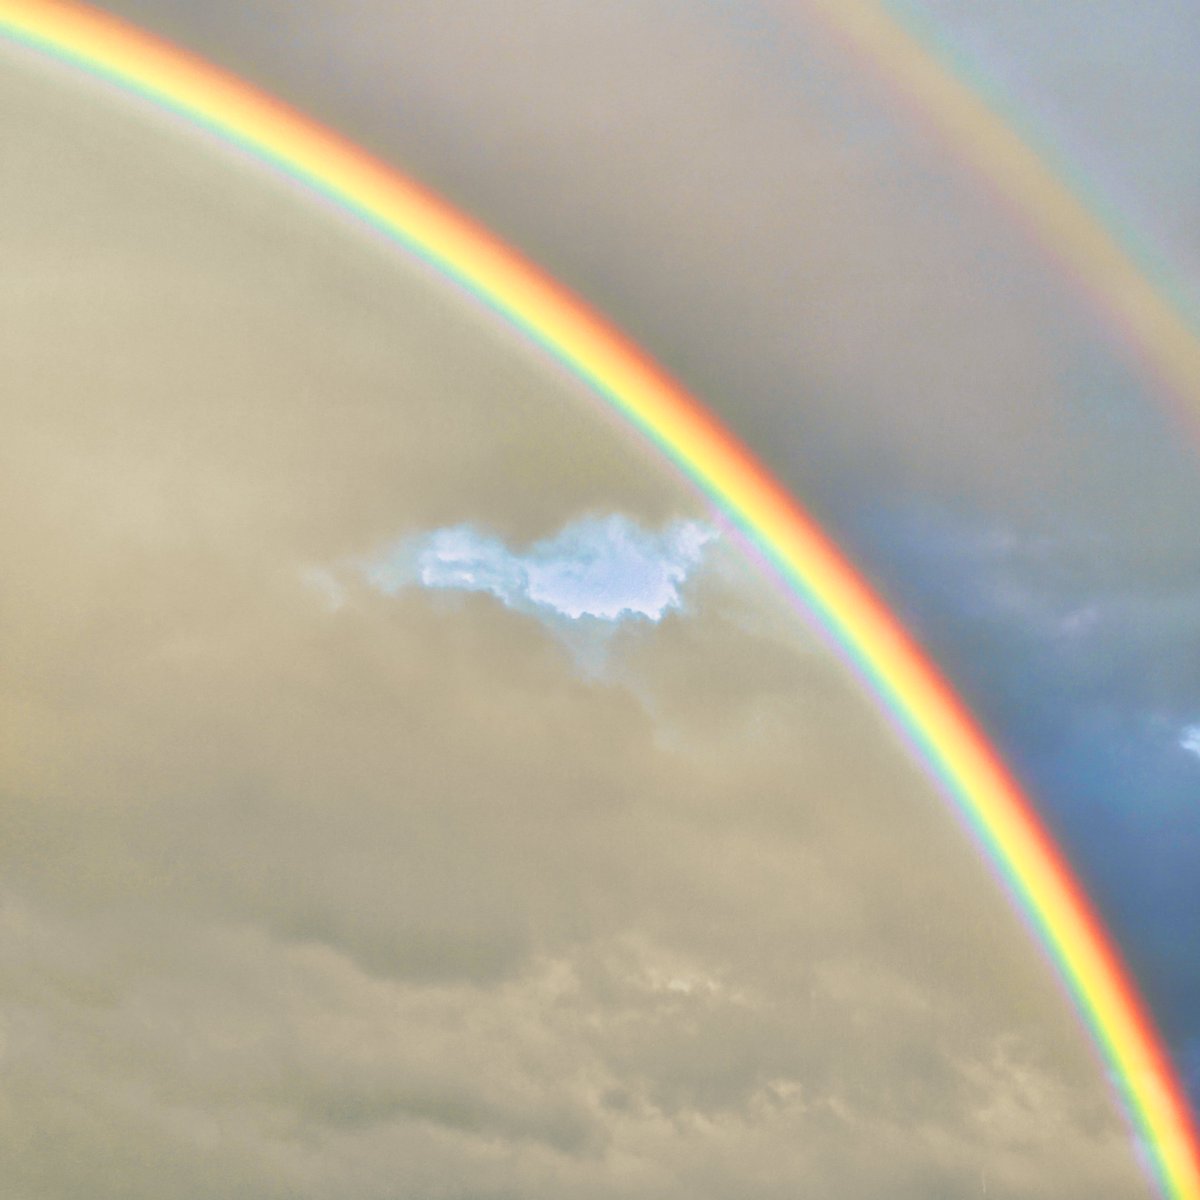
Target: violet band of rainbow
902	679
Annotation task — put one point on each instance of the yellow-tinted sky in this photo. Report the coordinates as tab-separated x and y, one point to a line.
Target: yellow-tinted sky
392	895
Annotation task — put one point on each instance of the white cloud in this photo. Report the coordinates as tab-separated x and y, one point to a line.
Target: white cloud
608	568
1189	740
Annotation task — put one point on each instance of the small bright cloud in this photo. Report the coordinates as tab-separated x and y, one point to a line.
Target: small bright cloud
1190	740
607	568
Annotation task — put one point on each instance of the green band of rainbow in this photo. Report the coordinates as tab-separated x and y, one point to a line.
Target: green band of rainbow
904	681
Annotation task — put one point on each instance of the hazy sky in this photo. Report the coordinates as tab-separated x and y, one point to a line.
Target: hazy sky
764	213
409	791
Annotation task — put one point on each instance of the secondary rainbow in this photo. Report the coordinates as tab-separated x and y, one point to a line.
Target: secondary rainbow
873	641
1129	292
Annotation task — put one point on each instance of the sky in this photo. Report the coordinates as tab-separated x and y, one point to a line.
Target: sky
411	789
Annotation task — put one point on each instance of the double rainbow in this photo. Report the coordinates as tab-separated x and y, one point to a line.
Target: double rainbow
905	682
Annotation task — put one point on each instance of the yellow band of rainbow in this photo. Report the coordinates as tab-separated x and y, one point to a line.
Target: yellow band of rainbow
905	682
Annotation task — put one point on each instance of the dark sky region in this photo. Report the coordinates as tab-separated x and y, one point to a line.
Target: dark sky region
321	882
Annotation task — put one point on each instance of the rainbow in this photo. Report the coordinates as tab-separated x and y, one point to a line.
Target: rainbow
904	681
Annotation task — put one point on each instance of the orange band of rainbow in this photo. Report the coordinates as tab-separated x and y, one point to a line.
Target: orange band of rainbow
901	677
